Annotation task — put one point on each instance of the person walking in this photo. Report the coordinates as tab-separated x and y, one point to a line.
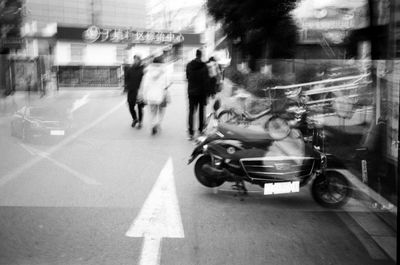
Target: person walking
197	76
133	79
214	74
154	91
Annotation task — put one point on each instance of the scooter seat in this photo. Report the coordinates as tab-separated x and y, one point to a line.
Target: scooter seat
243	134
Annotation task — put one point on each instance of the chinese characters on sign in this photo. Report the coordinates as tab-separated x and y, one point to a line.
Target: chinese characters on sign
328	24
96	34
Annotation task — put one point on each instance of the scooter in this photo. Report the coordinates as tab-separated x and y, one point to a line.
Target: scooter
279	159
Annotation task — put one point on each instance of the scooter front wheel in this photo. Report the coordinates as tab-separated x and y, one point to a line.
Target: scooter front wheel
331	190
202	176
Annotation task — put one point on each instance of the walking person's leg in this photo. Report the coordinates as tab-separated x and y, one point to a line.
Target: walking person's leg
201	103
161	112
140	113
158	118
192	108
132	103
153	118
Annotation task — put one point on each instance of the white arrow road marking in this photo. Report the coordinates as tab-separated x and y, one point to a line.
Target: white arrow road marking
159	217
80	176
16	172
80	102
150	251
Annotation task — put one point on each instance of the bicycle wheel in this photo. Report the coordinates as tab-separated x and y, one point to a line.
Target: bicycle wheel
228	116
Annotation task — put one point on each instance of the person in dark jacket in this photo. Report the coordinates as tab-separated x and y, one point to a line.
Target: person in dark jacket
133	79
197	76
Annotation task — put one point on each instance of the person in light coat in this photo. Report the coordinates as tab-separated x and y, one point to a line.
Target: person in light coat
154	92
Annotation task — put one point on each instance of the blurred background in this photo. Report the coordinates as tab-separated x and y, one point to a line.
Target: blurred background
342	56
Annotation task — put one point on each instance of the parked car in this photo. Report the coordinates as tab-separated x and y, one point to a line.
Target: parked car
31	122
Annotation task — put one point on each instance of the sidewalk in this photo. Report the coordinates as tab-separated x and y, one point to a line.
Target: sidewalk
380	223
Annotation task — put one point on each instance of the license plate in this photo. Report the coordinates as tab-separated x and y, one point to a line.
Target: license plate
281	187
57	132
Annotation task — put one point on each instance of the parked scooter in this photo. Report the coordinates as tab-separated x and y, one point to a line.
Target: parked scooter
279	159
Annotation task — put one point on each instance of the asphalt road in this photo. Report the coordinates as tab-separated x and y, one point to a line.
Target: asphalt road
111	194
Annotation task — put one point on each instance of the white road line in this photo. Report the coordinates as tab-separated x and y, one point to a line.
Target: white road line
80	102
80	176
28	149
159	217
16	172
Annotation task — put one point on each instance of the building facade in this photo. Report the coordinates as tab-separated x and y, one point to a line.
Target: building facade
181	16
108	13
324	28
59	32
43	55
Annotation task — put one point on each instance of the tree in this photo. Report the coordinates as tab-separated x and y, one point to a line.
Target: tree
10	22
258	27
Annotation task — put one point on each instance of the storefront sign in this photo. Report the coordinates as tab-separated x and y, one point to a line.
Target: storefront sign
332	23
96	34
328	24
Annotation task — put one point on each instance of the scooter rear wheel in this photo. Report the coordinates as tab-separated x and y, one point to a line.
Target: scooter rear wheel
331	190
203	177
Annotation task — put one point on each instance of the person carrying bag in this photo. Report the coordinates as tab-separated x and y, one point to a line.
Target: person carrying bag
155	92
